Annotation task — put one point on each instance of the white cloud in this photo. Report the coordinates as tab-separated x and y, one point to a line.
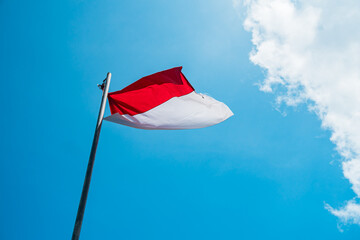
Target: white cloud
348	214
311	52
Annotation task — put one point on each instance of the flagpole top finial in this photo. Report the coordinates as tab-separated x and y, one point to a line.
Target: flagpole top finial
102	86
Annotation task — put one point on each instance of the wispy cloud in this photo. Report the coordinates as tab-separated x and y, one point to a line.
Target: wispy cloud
311	53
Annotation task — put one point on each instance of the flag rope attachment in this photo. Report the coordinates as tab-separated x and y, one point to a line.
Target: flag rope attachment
80	213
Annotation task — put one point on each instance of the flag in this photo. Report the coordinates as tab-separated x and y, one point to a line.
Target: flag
165	100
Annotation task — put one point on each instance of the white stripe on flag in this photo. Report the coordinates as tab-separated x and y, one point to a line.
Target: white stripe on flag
194	110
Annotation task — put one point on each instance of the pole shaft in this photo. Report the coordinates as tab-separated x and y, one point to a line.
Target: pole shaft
85	190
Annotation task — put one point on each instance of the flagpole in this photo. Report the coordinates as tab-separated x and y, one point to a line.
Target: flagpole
80	213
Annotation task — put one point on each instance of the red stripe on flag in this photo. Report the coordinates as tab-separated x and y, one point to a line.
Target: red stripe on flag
149	92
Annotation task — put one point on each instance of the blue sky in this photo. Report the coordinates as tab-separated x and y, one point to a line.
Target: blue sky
258	175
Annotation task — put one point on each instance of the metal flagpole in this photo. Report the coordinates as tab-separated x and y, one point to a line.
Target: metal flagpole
80	213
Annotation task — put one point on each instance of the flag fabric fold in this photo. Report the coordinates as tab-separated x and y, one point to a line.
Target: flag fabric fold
165	100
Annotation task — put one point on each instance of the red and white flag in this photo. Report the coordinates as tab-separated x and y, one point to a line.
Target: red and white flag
165	100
